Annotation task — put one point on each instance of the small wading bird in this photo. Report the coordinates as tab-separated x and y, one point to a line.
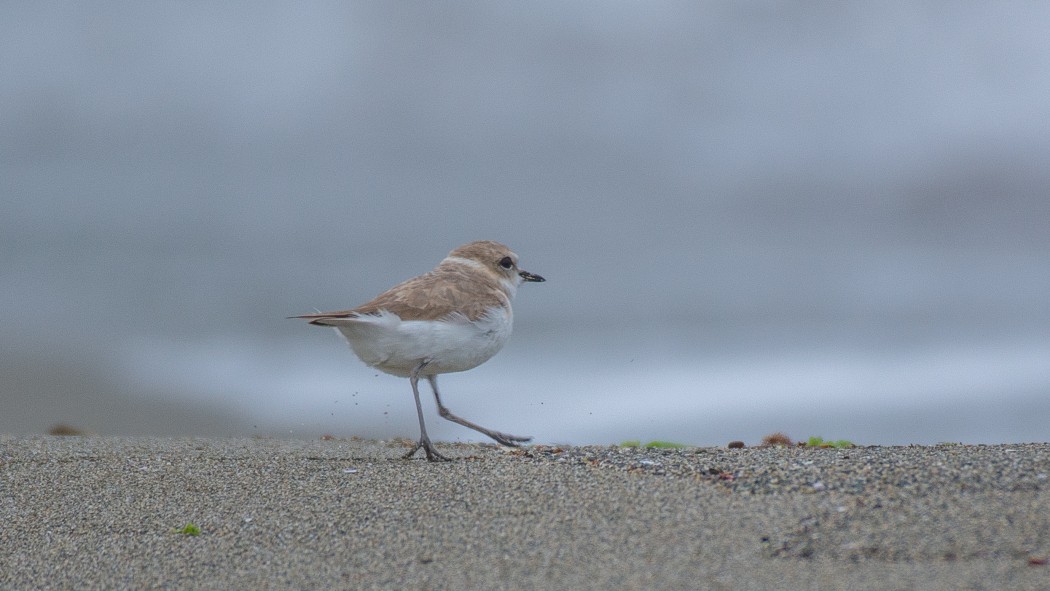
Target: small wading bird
453	318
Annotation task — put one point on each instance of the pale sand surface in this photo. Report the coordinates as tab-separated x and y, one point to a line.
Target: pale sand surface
100	513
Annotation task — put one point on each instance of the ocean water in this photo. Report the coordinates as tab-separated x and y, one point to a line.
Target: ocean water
821	220
579	391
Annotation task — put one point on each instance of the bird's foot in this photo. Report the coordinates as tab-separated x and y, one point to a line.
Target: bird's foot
502	438
432	453
508	439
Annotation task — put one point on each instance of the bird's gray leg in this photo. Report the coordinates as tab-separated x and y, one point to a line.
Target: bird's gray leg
424	440
504	438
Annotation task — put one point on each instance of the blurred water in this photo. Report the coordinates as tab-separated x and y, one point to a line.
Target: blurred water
820	219
572	391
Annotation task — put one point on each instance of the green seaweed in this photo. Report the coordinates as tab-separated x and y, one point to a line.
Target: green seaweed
656	444
664	445
190	529
820	442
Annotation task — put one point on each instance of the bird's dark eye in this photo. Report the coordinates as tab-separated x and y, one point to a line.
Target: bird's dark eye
506	262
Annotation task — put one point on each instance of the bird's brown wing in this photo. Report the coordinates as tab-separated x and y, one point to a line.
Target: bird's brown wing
431	296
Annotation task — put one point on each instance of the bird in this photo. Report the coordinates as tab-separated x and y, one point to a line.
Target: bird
450	319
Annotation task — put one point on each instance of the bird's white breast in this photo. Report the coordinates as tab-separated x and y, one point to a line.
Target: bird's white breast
396	346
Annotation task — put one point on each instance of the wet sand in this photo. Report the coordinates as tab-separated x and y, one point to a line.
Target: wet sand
104	513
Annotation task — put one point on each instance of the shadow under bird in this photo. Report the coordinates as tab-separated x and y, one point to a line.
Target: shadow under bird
452	318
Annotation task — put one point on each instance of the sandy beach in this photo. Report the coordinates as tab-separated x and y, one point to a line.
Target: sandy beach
110	512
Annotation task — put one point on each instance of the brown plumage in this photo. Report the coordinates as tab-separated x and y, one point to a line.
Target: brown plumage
451	287
433	296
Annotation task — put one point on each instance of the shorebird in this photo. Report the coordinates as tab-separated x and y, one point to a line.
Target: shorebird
452	318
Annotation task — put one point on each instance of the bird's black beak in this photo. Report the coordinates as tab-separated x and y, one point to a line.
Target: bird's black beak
526	276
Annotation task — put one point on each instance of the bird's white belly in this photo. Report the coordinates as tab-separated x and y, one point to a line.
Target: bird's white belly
397	347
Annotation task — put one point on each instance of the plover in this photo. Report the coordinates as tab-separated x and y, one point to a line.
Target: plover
453	318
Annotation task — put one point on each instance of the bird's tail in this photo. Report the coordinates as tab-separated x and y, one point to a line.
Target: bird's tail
329	318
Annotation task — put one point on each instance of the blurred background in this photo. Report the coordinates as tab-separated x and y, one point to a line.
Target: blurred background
827	219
